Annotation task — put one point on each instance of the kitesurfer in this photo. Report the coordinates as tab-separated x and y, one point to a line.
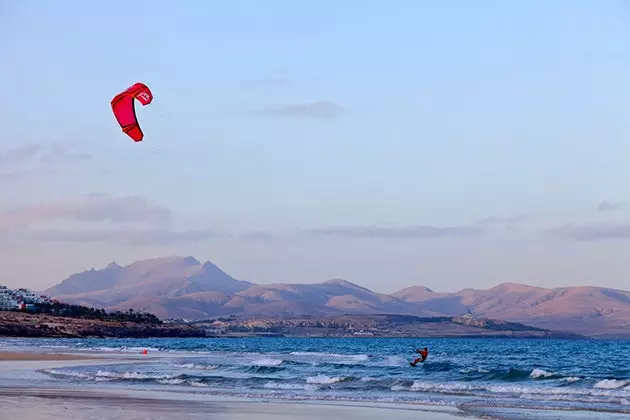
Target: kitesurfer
423	356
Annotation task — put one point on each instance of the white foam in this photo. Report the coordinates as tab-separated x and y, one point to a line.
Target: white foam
324	380
267	362
610	384
197	384
350	357
171	381
540	373
291	387
444	387
196	366
129	375
472	370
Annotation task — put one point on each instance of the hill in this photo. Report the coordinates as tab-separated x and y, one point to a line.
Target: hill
176	287
183	287
21	324
595	311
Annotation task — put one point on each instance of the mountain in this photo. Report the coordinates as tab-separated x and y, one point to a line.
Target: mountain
594	311
183	287
163	286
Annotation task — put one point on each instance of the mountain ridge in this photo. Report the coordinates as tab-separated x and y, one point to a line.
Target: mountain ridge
184	287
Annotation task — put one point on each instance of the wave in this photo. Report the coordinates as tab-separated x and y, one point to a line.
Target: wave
269	377
325	380
612	384
338	358
267	362
195	366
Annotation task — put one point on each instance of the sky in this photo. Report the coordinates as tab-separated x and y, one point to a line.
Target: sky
448	144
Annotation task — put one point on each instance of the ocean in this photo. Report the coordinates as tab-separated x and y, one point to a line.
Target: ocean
480	376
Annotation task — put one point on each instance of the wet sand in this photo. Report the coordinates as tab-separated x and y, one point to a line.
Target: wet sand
49	404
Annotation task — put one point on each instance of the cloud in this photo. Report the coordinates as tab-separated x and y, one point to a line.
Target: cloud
47	153
320	110
594	232
256	235
17	174
508	221
60	152
19	155
136	222
410	232
610	206
125	237
89	208
38	159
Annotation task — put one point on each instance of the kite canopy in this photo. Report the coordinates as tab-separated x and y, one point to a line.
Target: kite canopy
125	111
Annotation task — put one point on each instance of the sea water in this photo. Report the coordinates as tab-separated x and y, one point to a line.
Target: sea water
476	375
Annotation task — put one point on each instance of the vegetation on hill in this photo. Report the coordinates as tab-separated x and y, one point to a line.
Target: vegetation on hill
26	324
85	312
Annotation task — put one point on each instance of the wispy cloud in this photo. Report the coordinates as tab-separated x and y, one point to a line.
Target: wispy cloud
136	222
17	174
43	153
605	206
89	208
320	110
506	221
256	235
19	155
409	232
124	237
60	152
38	159
593	232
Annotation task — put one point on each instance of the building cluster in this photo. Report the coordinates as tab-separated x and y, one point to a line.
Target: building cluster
20	299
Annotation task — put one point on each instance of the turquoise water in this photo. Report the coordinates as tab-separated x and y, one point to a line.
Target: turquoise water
472	374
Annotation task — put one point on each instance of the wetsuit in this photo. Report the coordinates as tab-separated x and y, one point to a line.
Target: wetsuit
423	355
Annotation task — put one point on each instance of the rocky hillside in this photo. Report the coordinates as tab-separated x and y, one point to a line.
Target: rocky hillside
20	324
595	311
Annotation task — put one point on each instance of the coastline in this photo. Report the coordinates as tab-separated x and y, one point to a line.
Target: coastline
34	325
51	401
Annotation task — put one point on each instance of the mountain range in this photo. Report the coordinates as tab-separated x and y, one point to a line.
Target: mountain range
183	287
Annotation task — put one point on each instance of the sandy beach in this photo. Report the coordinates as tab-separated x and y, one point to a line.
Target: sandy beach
51	402
15	356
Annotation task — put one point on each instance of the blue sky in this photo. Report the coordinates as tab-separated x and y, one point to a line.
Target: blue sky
363	119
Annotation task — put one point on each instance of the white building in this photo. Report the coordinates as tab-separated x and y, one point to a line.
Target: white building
13	298
8	299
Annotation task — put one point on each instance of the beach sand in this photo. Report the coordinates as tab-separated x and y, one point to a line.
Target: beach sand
50	402
15	356
74	404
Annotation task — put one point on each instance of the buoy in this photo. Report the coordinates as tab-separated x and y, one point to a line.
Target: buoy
144	351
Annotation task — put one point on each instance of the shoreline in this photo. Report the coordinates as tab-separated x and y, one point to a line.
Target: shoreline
54	401
6	356
50	399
